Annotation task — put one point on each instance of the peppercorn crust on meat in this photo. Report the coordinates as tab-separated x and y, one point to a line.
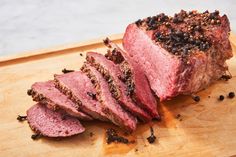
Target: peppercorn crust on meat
181	54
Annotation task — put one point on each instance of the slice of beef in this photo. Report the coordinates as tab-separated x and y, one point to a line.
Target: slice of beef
78	87
134	78
46	93
111	73
110	105
181	54
47	122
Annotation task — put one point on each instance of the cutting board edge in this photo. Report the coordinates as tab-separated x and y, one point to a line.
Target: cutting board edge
68	48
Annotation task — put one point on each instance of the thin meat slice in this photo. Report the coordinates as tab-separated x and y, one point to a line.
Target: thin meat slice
78	87
134	78
46	93
110	105
47	122
112	73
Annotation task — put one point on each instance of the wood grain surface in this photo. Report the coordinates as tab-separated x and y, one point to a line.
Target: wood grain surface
207	128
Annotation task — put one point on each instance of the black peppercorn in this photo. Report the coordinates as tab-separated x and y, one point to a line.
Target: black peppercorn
221	97
206	12
21	118
226	77
216	12
231	95
175	20
29	91
36	136
92	95
138	22
196	98
112	136
67	71
152	137
106	42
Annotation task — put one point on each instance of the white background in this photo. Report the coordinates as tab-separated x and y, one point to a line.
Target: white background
35	24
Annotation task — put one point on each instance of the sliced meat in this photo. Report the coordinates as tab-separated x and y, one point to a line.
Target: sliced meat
181	54
50	123
110	105
78	87
46	93
111	72
134	78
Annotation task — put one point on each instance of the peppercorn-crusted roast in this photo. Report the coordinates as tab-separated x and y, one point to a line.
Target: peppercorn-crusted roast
170	55
110	106
181	54
112	73
46	93
47	122
78	87
136	82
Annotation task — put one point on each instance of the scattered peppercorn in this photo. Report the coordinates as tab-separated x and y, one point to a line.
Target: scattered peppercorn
196	98
67	71
29	91
21	118
136	150
152	137
226	77
81	54
107	42
231	95
112	136
92	95
36	136
138	22
221	97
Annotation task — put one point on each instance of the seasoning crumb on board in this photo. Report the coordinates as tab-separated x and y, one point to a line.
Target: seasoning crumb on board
152	137
21	118
36	136
67	71
112	136
196	98
231	95
81	54
221	97
225	77
29	92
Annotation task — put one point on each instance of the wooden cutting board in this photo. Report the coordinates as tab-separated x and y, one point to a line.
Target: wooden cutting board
207	128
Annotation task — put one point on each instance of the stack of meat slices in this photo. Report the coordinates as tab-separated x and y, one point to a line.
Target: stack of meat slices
104	89
176	55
